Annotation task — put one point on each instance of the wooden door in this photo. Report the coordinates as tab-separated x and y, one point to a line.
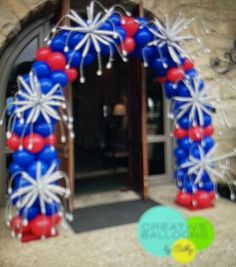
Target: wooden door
138	162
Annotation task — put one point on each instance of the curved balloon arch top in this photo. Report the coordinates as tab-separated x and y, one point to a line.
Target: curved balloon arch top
39	104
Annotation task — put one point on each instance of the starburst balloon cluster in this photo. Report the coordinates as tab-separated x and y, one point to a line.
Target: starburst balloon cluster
39	104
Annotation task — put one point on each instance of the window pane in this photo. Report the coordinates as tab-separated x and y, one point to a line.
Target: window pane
155	124
156	158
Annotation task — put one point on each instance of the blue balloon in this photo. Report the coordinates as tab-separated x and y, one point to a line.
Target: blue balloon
180	174
182	90
189	187
44	129
122	35
23	157
59	77
49	153
195	151
170	89
142	37
105	50
148	52
32	168
208	186
58	43
107	26
159	67
180	153
64	33
207	143
184	143
205	177
190	74
73	58
89	59
74	39
142	21
56	162
13	168
41	68
115	19
19	182
46	85
207	120
51	209
29	213
20	128
184	122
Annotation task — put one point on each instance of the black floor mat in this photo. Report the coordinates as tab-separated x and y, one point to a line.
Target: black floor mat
103	216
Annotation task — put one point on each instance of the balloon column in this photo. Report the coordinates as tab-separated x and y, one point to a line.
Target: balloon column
40	103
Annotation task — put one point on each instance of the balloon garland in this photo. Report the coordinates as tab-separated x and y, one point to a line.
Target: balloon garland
40	103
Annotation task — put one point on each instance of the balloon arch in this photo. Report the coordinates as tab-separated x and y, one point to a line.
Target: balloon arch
40	103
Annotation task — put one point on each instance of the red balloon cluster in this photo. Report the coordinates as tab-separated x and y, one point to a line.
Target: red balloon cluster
201	199
131	27
33	143
39	226
196	133
56	61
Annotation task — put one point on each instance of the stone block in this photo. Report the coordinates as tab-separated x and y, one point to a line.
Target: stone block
18	8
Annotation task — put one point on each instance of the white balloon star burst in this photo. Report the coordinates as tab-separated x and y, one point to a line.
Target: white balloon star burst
215	166
173	37
195	105
42	188
93	35
31	103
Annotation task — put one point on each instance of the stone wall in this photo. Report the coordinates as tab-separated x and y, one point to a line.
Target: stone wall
15	13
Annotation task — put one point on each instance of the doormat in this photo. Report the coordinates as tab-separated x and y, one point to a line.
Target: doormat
108	215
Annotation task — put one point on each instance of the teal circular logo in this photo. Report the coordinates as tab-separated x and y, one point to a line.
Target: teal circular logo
159	227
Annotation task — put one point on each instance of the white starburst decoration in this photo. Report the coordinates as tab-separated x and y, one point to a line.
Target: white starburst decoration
215	166
30	103
42	188
196	105
93	36
173	37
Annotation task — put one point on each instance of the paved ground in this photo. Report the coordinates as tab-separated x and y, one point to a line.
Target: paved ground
118	246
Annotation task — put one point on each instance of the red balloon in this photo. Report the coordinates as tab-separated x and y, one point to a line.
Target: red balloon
202	199
209	130
34	143
17	225
51	140
175	74
41	226
180	133
184	199
13	142
196	133
56	219
43	53
72	74
128	45
129	25
161	79
56	61
188	65
212	195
